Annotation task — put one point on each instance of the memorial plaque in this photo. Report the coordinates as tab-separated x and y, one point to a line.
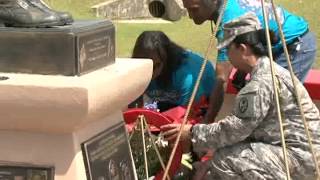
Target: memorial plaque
107	155
26	173
69	50
94	49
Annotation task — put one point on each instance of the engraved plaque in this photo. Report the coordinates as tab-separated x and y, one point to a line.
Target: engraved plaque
93	49
26	173
107	155
70	50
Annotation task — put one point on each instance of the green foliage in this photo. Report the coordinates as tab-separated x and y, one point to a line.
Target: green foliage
154	165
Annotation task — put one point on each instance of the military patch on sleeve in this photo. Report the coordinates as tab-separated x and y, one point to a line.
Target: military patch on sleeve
246	106
243	105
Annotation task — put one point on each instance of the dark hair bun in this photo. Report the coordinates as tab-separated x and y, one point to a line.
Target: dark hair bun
263	38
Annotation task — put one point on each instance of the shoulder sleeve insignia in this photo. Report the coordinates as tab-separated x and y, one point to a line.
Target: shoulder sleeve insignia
243	105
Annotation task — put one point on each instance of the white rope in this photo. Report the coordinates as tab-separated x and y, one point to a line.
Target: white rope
296	90
132	161
155	147
275	88
195	89
144	147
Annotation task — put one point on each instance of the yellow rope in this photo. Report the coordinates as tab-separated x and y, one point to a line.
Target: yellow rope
296	90
155	146
211	42
144	147
275	88
134	129
274	85
137	123
132	161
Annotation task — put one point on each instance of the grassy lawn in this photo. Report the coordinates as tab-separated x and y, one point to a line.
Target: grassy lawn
195	37
80	9
184	32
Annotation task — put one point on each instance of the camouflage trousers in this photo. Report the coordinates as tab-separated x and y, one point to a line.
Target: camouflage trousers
257	161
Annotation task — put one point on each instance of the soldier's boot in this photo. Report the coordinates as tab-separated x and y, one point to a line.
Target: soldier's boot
65	17
21	13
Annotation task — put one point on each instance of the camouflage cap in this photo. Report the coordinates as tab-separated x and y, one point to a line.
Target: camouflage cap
245	23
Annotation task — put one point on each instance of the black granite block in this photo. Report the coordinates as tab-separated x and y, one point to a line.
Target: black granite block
70	50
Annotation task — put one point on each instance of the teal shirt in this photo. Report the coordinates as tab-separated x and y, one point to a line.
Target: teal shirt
183	82
293	26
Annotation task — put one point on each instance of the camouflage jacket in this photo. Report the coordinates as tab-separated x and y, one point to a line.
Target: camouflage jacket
254	116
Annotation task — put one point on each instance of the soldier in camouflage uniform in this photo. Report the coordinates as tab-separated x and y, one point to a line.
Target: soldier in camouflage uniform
247	142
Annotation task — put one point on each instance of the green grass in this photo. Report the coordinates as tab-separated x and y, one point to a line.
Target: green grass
183	32
195	37
80	9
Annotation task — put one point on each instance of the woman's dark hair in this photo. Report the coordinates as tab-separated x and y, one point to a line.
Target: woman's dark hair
171	54
257	40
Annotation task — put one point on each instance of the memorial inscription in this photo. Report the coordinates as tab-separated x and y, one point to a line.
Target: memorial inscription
94	48
107	155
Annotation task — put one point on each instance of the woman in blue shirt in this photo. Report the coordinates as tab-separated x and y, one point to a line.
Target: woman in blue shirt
175	71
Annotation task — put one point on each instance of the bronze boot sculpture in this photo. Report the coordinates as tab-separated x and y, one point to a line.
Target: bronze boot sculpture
65	17
21	13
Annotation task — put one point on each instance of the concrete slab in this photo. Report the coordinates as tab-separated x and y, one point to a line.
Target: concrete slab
47	103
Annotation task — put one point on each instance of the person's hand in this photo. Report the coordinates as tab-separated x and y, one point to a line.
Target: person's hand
171	131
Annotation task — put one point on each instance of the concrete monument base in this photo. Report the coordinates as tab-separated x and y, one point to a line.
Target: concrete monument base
44	119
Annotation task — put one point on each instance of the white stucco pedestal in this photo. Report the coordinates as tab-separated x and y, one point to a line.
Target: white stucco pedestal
44	119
